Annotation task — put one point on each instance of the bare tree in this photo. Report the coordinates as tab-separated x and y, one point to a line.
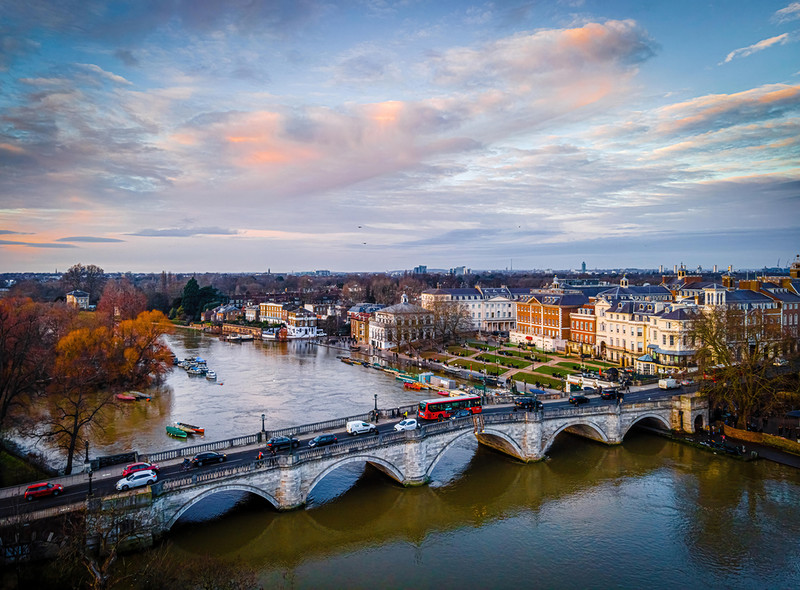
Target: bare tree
25	349
734	348
451	320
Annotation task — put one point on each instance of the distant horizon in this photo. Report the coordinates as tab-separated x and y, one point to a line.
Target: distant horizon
619	269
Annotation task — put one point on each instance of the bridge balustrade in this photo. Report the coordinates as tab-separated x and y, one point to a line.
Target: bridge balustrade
209	446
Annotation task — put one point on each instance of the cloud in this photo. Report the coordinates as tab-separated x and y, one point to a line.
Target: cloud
184	232
722	110
760	46
95	69
514	60
6	232
126	57
790	13
88	239
34	244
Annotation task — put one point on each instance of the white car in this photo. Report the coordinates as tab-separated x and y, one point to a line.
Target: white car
358	427
407	424
139	478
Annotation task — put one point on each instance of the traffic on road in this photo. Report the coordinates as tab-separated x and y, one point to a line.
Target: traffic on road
52	494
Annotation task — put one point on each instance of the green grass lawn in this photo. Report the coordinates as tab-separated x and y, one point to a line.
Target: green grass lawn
477	366
14	471
532	378
551	370
459	351
503	361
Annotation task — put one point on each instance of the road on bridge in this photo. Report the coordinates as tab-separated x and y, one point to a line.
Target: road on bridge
104	481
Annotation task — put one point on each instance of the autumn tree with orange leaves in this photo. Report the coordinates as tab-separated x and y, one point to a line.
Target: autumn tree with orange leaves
92	364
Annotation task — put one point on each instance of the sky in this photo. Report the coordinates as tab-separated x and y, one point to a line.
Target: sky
372	135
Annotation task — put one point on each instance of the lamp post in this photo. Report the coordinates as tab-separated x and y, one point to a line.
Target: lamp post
263	417
89	471
87	450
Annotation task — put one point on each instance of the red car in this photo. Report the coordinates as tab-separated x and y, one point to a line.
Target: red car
40	490
134	467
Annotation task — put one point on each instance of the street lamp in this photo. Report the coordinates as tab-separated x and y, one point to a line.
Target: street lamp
263	417
376	404
87	449
89	471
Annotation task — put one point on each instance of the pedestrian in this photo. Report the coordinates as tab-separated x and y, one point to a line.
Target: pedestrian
405	414
260	455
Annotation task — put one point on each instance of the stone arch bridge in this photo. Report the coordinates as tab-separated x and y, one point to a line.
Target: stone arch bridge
407	457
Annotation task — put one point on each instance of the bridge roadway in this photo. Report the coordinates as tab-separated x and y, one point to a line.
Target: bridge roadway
407	457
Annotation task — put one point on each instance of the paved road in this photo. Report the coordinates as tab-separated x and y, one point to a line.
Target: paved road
103	481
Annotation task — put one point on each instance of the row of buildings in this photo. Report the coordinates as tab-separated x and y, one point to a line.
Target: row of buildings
644	327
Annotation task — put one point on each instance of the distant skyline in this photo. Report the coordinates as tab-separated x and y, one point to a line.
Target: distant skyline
370	135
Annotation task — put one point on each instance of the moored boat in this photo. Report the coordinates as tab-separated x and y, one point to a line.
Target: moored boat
211	375
125	397
412	385
176	432
184	428
187	427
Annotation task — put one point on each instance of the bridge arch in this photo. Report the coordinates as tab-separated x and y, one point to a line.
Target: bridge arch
388	468
213	490
505	439
593	426
657	417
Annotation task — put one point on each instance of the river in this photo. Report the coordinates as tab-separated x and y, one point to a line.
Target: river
647	513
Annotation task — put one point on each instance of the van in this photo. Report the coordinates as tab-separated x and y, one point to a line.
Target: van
359	427
668	383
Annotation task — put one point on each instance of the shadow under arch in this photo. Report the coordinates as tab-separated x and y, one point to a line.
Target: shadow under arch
382	464
651	418
223	488
490	433
581	427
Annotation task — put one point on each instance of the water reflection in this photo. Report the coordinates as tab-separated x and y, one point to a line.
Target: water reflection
591	516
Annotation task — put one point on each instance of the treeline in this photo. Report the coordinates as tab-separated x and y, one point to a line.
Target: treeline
59	368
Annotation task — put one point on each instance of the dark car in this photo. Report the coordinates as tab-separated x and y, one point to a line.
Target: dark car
42	490
528	403
322	440
207	457
578	399
280	443
609	394
461	414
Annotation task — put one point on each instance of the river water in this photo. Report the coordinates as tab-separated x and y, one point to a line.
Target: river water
647	513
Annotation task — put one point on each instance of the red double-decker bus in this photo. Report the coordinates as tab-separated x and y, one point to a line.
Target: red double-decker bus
442	408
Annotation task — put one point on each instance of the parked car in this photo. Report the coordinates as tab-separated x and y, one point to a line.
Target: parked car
322	440
780	362
136	479
359	427
207	457
134	467
407	424
461	414
609	394
668	383
280	443
578	399
528	403
42	490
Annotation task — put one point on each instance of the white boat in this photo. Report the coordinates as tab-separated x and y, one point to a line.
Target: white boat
211	375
